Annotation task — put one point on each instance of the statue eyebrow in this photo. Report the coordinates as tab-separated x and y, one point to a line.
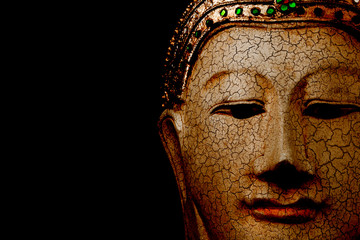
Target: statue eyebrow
217	76
331	68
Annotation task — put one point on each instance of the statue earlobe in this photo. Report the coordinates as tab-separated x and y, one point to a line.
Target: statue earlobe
170	126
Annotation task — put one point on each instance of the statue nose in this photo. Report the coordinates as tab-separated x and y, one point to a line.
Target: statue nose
285	161
286	176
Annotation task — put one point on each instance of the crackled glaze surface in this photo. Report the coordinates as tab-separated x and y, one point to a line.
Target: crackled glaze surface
270	116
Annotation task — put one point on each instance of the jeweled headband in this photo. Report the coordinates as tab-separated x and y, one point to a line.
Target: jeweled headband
204	16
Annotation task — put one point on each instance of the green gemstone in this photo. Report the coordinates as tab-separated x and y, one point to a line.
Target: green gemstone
255	11
284	7
238	11
279	1
197	34
270	11
223	13
292	4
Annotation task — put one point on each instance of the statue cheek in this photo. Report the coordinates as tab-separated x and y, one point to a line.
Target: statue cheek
335	148
219	150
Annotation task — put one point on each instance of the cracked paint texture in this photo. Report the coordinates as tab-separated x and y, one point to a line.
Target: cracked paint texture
270	117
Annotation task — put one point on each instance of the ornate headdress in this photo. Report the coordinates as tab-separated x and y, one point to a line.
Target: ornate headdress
204	16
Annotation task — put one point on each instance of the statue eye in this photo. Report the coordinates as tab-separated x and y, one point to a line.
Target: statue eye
330	111
240	111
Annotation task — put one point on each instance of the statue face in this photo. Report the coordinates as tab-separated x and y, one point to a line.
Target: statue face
268	139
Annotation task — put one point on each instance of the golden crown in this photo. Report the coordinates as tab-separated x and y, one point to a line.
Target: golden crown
203	16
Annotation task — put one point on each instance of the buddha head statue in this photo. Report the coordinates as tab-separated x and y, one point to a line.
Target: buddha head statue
261	118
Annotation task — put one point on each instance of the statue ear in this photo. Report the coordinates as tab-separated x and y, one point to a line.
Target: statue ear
170	126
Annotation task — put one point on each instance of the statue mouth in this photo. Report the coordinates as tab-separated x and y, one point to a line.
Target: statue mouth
302	211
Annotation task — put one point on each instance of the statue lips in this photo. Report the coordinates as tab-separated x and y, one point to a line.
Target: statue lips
271	210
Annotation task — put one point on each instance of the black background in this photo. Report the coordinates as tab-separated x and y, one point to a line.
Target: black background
126	184
160	207
105	173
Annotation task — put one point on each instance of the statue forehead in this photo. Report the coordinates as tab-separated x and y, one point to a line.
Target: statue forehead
302	49
281	33
250	57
